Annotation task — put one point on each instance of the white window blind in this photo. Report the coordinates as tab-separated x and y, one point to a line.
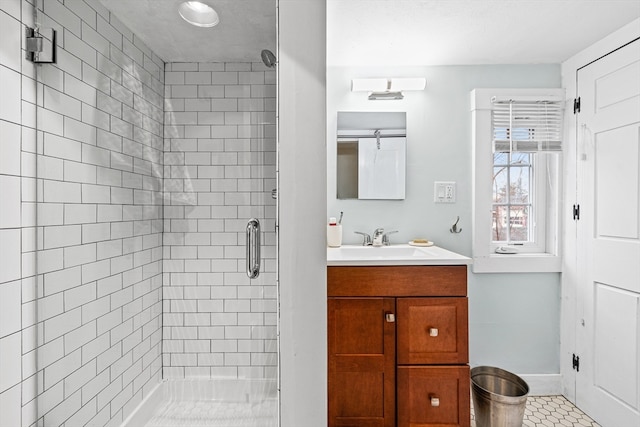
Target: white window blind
526	124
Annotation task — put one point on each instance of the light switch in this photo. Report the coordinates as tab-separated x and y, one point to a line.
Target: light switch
444	192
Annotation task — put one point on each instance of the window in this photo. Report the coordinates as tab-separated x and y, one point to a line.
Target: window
512	206
517	141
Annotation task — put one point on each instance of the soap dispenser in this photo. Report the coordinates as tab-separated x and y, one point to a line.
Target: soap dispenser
334	233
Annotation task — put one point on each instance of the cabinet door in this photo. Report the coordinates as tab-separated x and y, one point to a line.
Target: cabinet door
433	396
432	331
361	362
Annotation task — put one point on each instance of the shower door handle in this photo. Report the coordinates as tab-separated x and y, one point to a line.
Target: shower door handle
253	248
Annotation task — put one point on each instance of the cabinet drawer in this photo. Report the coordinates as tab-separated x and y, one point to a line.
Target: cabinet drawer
432	331
397	281
433	395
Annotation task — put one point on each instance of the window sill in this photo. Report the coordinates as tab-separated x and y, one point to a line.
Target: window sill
517	263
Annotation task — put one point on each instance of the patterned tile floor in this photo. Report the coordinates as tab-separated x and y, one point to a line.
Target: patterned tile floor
550	411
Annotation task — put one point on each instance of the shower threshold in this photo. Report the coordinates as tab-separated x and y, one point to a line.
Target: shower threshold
209	402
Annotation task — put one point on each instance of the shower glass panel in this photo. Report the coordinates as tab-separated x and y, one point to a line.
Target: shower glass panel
139	177
219	172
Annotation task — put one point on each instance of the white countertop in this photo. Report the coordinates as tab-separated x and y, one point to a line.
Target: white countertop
357	255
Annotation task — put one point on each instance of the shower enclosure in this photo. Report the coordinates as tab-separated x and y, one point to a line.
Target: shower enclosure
129	181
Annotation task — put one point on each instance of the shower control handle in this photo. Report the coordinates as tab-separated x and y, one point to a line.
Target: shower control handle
253	248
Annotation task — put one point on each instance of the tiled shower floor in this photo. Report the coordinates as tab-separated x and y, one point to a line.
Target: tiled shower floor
551	411
212	413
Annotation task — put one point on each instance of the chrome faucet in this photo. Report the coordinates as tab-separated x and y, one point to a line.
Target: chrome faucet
377	237
380	238
366	238
385	237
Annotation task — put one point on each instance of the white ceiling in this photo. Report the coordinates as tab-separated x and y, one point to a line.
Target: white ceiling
246	27
389	32
454	32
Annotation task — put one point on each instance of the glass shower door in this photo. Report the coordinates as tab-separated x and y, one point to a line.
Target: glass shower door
97	166
263	288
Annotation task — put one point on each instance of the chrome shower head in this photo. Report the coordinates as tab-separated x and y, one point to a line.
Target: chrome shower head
268	58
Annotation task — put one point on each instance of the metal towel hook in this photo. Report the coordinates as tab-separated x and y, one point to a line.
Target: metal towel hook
454	228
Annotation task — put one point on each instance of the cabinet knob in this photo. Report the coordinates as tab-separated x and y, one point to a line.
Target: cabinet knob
435	401
433	332
390	317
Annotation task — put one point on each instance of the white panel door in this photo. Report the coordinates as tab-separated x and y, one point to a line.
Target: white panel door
608	335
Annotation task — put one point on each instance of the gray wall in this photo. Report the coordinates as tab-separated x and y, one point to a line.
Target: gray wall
514	318
301	209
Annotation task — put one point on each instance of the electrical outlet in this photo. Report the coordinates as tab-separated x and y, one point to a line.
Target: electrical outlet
444	192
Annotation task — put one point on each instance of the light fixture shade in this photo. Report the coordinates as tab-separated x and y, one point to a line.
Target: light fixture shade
415	83
198	14
369	85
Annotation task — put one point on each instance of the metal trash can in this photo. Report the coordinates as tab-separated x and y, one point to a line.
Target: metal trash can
499	397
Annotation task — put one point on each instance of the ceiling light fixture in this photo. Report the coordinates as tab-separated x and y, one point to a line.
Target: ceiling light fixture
198	14
390	88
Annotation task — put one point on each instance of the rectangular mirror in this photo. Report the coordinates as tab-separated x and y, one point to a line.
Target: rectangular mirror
371	155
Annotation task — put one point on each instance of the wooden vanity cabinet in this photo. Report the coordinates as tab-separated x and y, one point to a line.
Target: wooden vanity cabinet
398	346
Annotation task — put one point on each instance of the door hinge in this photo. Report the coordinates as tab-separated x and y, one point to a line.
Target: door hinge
40	45
576	105
576	363
576	212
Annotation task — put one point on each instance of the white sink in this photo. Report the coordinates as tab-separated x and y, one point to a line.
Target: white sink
393	255
371	252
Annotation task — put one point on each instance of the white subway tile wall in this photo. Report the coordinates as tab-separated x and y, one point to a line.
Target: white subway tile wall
219	170
118	186
80	220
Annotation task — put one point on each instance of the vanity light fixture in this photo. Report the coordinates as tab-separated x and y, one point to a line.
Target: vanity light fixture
390	88
198	14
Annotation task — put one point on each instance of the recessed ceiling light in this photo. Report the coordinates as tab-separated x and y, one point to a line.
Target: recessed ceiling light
198	14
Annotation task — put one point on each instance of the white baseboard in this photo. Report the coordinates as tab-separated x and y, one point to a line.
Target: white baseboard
543	384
